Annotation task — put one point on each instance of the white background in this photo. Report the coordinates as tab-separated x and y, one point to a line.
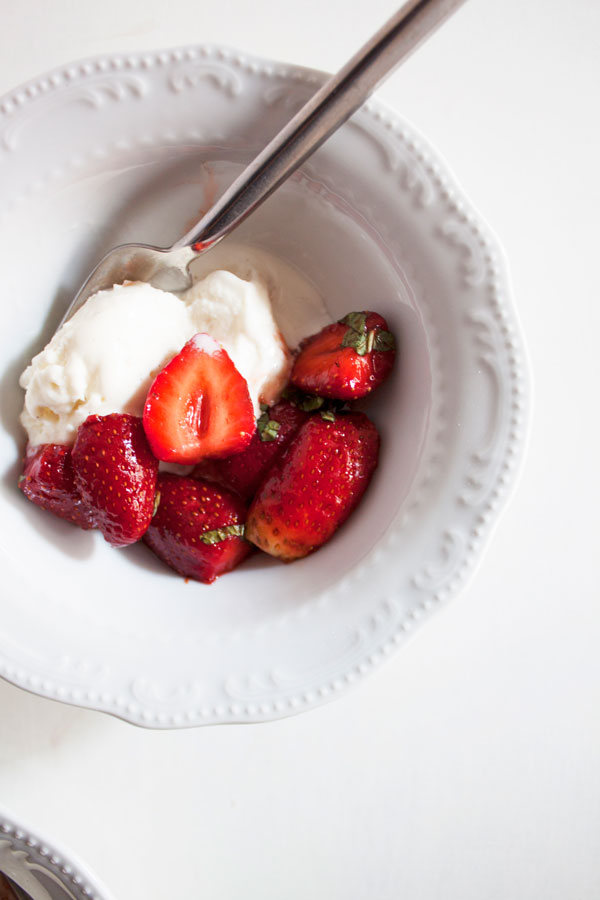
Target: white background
467	767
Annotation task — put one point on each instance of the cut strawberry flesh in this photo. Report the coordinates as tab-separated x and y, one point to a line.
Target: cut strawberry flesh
198	406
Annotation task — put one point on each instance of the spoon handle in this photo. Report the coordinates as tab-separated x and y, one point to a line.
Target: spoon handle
333	103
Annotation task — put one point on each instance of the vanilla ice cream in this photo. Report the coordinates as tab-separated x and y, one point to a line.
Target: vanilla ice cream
105	357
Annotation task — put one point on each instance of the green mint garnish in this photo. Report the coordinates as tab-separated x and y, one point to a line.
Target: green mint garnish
356	336
357	321
384	340
358	341
221	534
311	402
364	341
267	428
307	402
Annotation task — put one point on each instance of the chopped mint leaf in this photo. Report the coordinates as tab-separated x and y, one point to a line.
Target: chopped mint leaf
357	321
221	534
310	402
306	402
355	340
384	340
267	428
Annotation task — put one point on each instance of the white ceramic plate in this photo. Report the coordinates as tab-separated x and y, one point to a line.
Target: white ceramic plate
32	861
133	148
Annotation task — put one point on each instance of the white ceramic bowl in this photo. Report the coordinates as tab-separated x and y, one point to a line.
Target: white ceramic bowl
33	861
132	148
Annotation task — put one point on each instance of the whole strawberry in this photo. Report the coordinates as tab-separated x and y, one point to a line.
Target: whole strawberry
48	480
115	474
243	472
346	360
197	528
314	486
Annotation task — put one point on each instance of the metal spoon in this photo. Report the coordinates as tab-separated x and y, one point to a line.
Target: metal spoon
333	103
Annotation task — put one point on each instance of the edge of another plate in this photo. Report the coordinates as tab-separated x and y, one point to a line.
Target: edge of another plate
30	853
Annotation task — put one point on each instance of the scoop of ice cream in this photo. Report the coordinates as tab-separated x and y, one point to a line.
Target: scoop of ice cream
105	357
237	314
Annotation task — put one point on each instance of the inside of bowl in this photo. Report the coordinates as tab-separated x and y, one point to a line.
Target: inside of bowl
328	238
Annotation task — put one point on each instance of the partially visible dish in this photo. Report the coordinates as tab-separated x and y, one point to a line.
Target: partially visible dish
41	867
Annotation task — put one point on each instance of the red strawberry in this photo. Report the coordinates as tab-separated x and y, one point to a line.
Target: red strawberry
198	405
198	528
48	480
115	473
244	471
314	486
346	360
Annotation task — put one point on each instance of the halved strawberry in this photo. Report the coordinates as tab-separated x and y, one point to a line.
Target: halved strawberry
314	486
198	405
243	472
346	360
48	480
198	528
115	473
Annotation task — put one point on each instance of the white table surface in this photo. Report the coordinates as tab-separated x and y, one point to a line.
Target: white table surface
467	767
